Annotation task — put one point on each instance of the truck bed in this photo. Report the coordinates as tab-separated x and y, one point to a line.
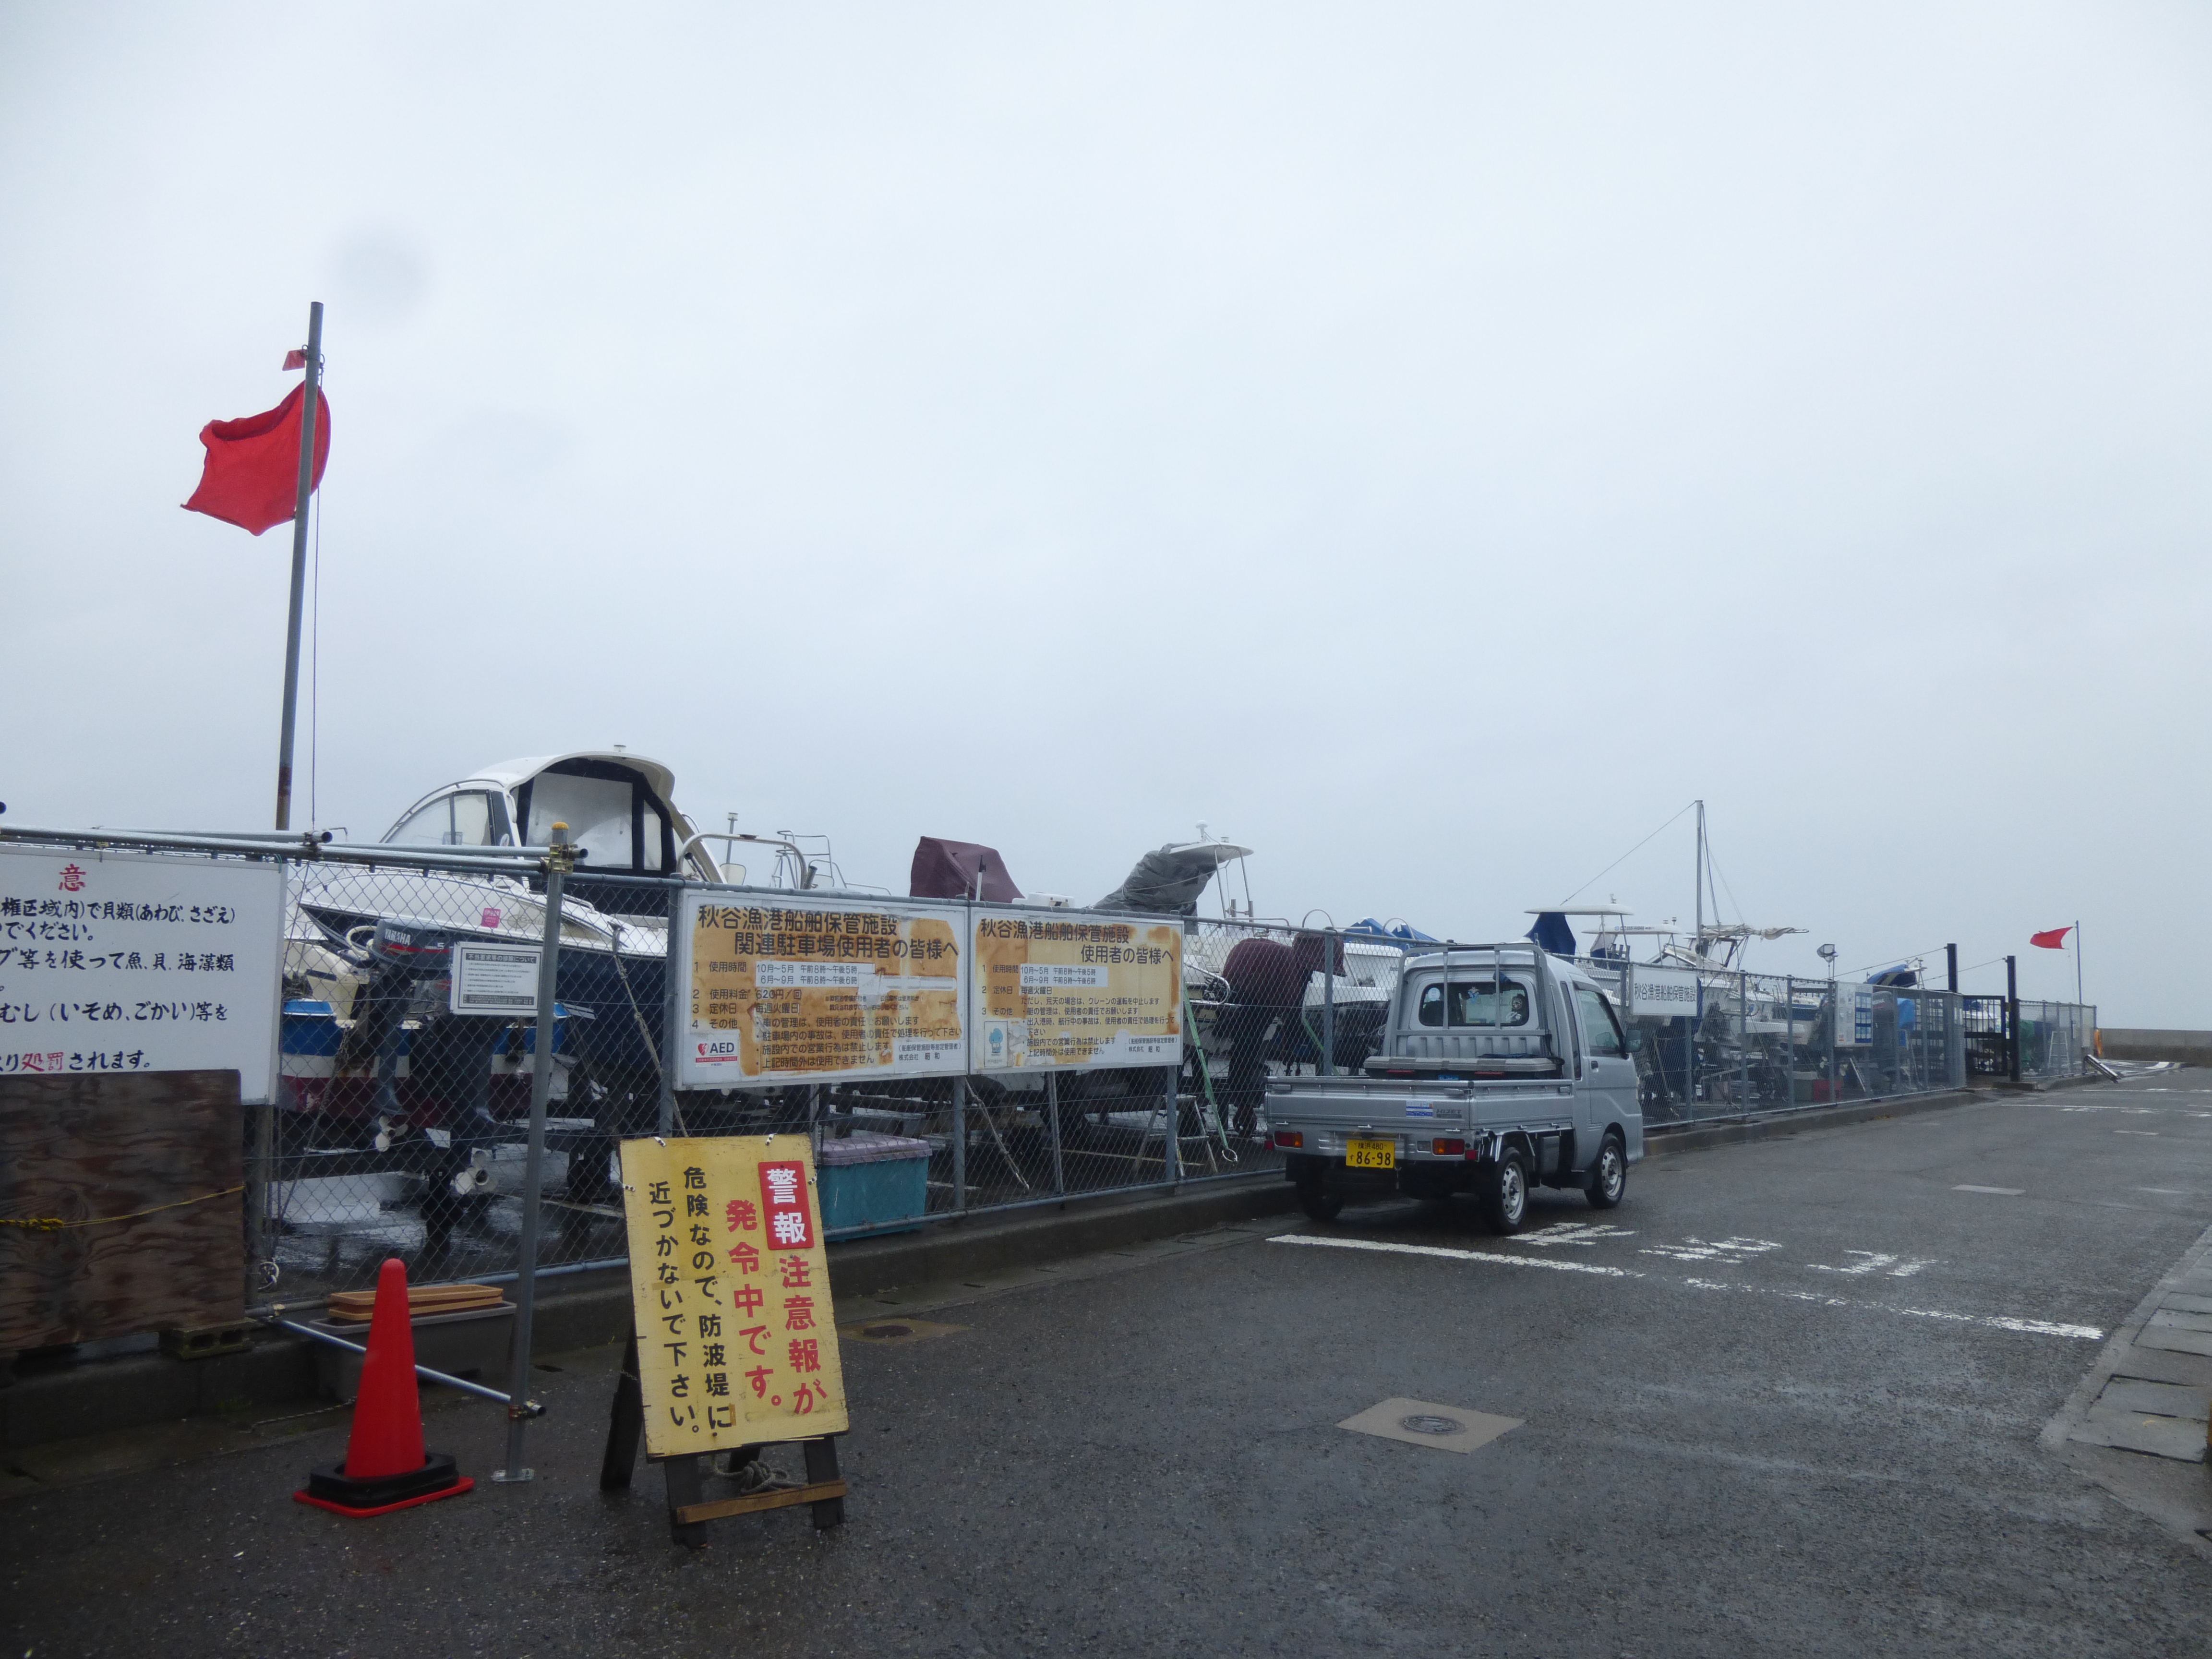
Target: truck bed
1333	1106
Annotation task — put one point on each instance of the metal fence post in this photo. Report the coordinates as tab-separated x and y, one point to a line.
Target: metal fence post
558	865
676	1002
1691	1028
1833	1005
1790	1040
1171	1140
2012	1017
1334	944
959	1143
260	1239
1743	1039
1052	1129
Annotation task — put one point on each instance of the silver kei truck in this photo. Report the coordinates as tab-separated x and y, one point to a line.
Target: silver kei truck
1500	1066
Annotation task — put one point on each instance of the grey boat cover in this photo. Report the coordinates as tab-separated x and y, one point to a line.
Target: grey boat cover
1169	880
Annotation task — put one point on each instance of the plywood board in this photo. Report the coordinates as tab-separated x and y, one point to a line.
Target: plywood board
93	1145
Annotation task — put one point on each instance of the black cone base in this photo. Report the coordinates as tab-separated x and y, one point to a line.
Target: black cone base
332	1488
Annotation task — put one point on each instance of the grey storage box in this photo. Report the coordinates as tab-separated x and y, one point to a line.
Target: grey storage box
476	1344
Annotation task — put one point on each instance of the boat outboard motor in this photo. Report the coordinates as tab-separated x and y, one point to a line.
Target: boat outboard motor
407	963
449	1059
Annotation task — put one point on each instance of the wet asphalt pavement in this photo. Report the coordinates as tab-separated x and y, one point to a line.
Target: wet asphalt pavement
1785	1400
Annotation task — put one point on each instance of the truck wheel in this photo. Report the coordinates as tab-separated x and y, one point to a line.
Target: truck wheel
1501	1192
1608	1176
1318	1202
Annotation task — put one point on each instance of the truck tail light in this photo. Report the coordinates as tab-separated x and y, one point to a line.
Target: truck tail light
1289	1140
1450	1148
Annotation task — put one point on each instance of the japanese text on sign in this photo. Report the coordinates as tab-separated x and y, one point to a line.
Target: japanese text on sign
817	992
1059	993
730	1287
115	962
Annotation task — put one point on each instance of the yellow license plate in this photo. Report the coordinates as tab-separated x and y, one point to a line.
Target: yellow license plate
1370	1154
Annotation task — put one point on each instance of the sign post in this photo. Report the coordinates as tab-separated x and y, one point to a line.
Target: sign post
543	965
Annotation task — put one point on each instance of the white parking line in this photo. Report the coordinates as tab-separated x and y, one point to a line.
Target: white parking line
1993	1322
1455	1256
2000	1192
1989	1322
1879	1261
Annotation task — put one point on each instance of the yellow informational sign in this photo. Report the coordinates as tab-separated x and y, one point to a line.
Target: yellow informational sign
1056	991
731	1291
819	991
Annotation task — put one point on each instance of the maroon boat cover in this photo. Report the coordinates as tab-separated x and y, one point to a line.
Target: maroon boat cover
948	869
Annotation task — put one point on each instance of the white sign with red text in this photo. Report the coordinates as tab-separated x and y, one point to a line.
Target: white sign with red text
135	962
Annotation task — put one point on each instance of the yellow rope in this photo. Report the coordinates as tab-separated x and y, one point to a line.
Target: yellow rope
54	1224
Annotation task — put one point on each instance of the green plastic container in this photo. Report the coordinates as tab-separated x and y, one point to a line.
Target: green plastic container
873	1181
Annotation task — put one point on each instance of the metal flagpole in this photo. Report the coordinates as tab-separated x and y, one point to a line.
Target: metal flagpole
299	561
559	861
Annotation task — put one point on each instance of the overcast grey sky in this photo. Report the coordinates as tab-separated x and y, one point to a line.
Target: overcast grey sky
1430	444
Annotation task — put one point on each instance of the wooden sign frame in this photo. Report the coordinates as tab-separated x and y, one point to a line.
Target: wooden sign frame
688	1507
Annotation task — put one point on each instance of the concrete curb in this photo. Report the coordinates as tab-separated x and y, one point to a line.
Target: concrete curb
584	1311
1693	1138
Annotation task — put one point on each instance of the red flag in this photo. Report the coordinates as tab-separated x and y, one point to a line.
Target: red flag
2053	940
252	477
296	357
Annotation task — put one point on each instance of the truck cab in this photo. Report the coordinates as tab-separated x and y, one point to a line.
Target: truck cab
1500	1067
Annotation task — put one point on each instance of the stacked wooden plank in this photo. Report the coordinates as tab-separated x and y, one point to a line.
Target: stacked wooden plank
355	1307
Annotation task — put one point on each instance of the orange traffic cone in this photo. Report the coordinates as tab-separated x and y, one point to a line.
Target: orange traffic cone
385	1467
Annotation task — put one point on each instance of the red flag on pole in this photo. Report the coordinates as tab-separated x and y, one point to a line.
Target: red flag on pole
2055	940
252	477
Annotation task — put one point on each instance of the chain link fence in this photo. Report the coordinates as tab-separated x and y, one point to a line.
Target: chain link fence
1708	1042
398	1121
400	1125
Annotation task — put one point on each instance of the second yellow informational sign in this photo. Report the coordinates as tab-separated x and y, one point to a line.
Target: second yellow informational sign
730	1288
1059	991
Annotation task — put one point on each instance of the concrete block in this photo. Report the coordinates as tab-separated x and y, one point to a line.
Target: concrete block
2128	1394
2179	1438
2188	1371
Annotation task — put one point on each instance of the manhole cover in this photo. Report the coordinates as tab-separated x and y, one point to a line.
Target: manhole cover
1424	1425
885	1332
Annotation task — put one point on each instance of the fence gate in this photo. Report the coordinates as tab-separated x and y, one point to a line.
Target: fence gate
1988	1022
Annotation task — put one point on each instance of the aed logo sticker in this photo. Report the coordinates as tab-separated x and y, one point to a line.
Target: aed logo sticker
723	1049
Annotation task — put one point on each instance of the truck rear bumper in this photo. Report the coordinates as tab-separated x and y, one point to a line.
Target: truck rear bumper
1423	1174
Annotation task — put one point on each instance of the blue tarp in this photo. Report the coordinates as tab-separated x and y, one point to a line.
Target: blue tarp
1552	933
1405	931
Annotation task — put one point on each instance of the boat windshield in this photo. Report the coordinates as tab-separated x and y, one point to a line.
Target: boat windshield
597	812
1475	1002
470	818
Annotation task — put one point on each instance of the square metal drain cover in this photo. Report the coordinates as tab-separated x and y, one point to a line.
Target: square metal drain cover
892	1329
1423	1423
